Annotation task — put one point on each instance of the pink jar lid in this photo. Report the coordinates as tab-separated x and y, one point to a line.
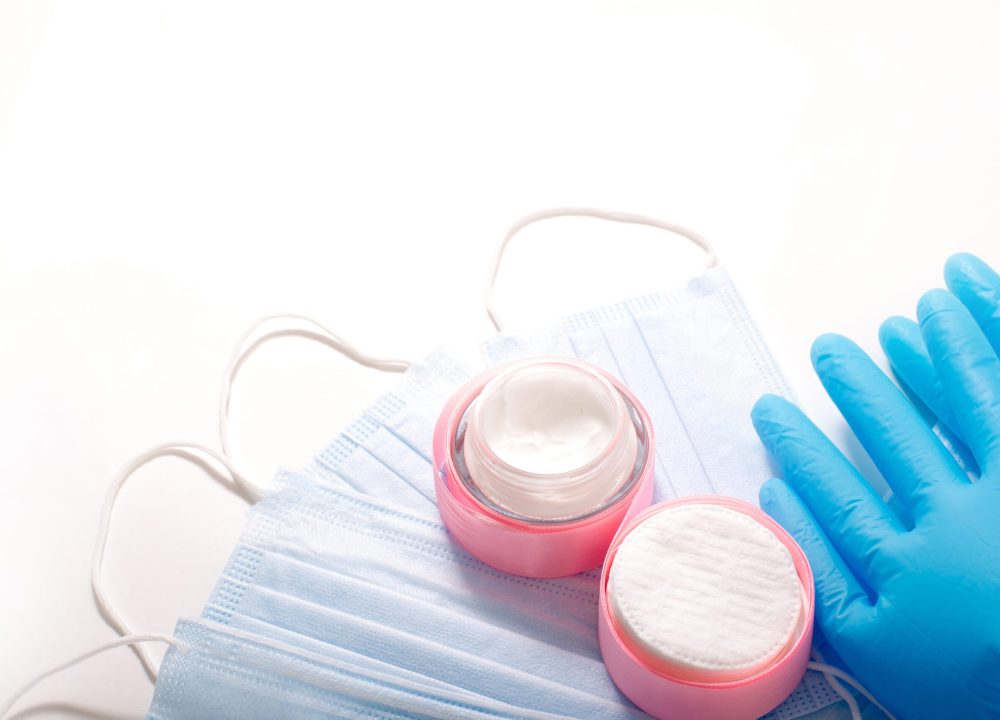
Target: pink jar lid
535	546
666	693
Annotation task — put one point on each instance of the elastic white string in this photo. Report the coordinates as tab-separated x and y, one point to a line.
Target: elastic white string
838	688
132	640
319	333
620	217
829	670
201	456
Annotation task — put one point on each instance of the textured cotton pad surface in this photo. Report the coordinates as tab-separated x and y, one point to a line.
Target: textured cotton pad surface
705	588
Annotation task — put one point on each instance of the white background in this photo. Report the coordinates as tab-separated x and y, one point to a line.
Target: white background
170	171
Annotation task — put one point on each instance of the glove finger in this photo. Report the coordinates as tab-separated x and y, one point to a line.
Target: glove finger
849	511
907	453
904	346
977	285
842	604
969	370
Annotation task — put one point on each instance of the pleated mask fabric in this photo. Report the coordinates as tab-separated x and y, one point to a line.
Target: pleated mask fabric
330	571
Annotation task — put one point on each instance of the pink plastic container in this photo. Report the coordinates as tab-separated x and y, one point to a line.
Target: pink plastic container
670	697
530	547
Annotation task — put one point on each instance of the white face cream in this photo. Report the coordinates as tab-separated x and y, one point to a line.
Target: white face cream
546	419
549	439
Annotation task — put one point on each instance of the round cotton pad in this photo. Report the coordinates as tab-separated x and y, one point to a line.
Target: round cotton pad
706	591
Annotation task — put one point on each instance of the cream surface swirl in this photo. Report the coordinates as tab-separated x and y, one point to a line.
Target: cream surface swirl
549	439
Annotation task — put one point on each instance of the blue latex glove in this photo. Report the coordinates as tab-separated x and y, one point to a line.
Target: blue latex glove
978	287
913	612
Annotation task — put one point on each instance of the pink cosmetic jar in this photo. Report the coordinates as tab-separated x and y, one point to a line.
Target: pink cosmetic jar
719	625
539	462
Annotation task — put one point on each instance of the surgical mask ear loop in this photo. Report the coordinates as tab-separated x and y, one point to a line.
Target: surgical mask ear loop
131	640
619	217
206	458
314	331
835	674
852	704
201	456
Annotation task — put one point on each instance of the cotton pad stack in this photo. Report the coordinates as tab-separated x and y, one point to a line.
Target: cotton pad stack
706	590
706	610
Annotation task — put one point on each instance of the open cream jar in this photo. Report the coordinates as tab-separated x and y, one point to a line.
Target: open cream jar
539	461
549	440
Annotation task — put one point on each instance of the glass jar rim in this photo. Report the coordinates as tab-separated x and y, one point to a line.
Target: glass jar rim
457	449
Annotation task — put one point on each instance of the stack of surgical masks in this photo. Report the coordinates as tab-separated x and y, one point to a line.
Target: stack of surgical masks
346	597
